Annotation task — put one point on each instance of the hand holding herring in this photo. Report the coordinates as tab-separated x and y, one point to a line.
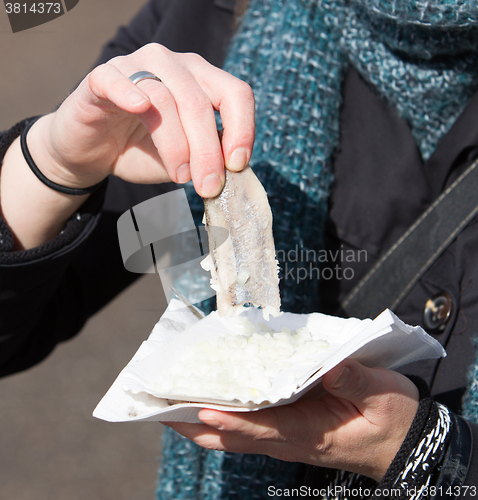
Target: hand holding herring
243	269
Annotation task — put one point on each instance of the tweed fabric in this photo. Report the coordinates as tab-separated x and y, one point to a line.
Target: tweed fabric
470	399
427	70
436	13
294	54
289	52
191	473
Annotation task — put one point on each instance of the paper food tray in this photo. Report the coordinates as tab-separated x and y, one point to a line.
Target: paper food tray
384	342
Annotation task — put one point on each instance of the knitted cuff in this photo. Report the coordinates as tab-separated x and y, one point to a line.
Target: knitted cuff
73	228
416	464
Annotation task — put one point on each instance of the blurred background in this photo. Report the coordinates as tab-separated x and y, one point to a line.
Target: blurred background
51	448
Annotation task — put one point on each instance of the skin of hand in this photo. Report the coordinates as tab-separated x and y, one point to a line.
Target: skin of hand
358	425
150	132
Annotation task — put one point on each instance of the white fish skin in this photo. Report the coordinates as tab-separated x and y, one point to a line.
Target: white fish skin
244	269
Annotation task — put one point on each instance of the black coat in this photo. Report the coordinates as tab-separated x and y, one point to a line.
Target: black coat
382	186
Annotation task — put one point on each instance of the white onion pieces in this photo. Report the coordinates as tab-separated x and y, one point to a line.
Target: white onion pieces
243	366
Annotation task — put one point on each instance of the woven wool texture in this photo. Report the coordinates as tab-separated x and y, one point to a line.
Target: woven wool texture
448	13
296	74
470	399
418	55
422	64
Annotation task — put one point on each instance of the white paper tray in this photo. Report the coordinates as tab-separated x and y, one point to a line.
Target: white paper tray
384	342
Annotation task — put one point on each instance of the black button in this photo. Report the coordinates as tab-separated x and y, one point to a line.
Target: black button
437	313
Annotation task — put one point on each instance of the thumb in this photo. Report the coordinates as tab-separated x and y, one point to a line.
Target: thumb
368	389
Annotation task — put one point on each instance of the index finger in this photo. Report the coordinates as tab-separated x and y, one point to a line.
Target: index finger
234	100
208	89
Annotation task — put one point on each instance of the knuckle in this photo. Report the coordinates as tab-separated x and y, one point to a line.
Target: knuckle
153	48
265	434
160	96
192	58
244	91
359	383
174	155
269	429
117	61
209	443
163	102
324	444
209	159
98	74
197	103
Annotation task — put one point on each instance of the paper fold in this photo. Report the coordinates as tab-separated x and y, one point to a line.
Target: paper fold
384	342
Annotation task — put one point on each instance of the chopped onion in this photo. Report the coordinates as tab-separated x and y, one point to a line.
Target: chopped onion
241	366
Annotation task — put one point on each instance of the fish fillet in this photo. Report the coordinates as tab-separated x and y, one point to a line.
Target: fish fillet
243	269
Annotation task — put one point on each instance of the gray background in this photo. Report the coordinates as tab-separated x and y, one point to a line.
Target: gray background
51	448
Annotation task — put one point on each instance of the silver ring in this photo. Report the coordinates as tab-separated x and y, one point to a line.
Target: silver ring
143	75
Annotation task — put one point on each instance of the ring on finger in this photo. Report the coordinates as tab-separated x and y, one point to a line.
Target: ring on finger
143	75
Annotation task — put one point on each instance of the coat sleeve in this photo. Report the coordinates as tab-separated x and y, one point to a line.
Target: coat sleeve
33	291
201	26
48	293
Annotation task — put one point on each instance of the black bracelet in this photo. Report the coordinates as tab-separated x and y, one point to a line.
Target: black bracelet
45	180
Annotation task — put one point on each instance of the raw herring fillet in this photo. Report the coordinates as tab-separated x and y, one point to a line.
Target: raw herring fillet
243	269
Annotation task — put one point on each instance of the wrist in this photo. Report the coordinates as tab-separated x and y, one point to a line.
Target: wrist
33	212
414	464
49	165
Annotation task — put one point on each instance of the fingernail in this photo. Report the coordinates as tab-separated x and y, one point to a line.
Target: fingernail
342	378
183	173
211	185
237	160
135	98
